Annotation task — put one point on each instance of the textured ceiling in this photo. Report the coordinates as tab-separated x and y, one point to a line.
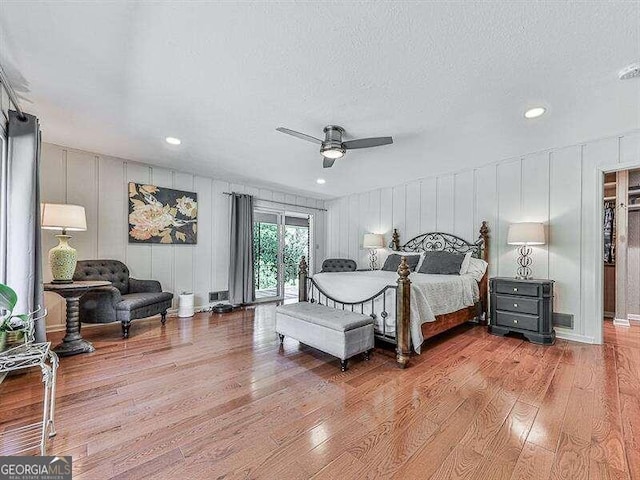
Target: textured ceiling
449	81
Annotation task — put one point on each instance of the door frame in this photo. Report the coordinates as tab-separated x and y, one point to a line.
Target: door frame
282	213
280	274
598	327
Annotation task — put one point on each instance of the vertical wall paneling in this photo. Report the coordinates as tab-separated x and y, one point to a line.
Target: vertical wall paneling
564	235
594	154
162	256
386	214
183	254
446	204
428	205
412	215
535	205
82	185
354	239
138	256
99	183
112	231
560	188
487	210
464	205
399	210
509	209
220	254
202	251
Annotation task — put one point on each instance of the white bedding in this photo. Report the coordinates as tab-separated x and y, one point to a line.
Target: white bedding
431	295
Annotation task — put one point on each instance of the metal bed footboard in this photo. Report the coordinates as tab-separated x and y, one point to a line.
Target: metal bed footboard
315	294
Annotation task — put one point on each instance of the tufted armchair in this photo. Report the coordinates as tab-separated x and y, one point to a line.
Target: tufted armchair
339	265
125	300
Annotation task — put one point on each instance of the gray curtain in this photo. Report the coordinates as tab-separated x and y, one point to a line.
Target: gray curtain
20	249
241	279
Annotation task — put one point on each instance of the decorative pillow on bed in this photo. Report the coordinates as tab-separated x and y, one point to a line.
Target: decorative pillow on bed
441	263
477	267
392	262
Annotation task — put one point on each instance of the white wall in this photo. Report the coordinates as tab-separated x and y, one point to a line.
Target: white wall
99	183
557	187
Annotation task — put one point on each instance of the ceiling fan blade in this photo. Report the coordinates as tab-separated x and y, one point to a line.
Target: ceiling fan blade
367	142
327	162
302	136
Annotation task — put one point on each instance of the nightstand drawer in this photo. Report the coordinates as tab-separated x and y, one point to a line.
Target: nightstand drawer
517	288
517	304
517	320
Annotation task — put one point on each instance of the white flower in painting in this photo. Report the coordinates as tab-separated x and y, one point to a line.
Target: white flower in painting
187	206
149	220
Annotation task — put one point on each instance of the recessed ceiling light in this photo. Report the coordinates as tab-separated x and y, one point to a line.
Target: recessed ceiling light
535	112
630	71
321	181
173	140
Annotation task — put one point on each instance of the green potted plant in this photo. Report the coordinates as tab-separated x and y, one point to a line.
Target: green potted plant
10	322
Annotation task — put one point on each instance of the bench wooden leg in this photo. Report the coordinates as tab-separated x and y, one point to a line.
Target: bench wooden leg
343	365
367	354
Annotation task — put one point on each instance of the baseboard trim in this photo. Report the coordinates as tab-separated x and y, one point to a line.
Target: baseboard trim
574	337
633	317
621	322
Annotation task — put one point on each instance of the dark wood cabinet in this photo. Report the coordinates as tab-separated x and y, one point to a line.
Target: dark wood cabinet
523	306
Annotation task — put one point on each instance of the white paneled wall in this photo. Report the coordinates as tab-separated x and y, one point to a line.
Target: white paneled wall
557	187
99	183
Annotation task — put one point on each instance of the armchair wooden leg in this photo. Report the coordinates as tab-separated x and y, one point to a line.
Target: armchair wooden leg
125	329
281	338
344	365
163	319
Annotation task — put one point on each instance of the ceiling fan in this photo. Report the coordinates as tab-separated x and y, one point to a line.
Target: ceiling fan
332	147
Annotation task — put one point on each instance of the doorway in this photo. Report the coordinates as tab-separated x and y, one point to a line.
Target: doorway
621	242
280	239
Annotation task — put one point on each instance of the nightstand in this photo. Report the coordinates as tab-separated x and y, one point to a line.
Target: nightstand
523	306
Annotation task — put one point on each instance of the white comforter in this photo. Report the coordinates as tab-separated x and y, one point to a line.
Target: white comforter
431	295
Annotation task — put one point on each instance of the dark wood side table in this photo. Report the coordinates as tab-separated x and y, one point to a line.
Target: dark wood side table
73	343
523	306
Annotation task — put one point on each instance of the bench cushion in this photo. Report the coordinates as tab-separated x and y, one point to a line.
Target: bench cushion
333	318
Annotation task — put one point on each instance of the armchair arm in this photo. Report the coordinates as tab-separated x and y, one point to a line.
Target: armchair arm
144	286
110	291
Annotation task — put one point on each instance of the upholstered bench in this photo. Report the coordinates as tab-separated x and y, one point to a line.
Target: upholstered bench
341	333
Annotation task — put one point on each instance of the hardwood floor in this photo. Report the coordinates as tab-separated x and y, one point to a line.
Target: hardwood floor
213	397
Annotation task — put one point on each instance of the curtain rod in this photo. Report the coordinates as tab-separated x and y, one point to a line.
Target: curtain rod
283	203
12	94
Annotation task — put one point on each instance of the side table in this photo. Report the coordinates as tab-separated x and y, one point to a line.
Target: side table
20	440
73	343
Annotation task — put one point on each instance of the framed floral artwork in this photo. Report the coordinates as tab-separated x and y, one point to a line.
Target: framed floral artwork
162	215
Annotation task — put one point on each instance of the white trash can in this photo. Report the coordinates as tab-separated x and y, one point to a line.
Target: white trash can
186	306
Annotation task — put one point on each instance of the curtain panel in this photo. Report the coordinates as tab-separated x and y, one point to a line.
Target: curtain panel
20	250
241	280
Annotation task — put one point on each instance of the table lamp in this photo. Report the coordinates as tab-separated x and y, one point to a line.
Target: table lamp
525	234
373	241
63	257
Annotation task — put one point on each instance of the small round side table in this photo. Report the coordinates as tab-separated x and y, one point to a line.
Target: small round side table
73	343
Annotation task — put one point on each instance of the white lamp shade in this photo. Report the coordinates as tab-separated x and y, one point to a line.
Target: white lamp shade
526	233
56	216
373	240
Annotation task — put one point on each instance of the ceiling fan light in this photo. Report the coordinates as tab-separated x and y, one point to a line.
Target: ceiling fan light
332	152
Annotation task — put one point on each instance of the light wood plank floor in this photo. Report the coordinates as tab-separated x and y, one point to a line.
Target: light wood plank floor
213	397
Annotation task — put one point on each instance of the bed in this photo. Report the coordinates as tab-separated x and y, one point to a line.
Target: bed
408	307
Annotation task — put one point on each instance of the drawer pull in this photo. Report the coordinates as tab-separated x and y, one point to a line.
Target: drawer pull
515	305
515	289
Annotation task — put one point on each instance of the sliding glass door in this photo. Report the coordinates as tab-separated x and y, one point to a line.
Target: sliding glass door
280	239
